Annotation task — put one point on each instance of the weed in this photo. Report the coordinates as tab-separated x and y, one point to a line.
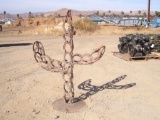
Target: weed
86	25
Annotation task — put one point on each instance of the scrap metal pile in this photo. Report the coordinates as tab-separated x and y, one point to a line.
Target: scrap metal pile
139	44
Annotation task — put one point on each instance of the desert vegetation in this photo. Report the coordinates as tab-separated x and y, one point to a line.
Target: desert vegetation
157	13
86	25
48	24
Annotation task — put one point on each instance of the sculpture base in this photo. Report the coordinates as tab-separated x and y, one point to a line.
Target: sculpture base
60	105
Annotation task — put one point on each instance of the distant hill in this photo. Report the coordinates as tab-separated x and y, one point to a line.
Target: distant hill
63	11
13	16
76	12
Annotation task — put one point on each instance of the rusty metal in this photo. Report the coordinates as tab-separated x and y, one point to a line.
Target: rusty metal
89	58
68	59
44	60
60	105
66	67
148	15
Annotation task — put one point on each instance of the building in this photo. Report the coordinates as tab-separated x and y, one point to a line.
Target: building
6	20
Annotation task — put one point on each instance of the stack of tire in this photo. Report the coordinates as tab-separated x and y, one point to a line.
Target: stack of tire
135	45
155	40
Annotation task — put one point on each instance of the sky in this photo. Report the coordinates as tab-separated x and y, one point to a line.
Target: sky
22	6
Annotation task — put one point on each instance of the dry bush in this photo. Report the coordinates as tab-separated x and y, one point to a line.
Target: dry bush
17	23
115	30
48	21
30	21
75	19
35	22
52	26
85	24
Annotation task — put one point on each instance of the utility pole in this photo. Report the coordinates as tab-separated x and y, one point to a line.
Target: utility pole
148	16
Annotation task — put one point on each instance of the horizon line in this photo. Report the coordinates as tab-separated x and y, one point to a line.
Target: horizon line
79	11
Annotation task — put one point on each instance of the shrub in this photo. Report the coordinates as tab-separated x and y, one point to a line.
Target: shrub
85	24
1	22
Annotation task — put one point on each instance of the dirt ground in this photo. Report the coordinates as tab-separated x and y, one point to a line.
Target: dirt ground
27	91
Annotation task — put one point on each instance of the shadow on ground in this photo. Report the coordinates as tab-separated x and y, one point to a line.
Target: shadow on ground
92	89
15	44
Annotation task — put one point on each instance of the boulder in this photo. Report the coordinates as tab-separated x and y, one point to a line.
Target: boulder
60	26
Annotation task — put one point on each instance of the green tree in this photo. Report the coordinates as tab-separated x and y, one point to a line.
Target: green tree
97	13
144	14
113	14
104	14
109	11
157	14
4	14
139	12
80	15
130	12
122	13
17	16
30	14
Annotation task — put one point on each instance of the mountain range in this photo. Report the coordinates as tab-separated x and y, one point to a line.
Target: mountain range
63	11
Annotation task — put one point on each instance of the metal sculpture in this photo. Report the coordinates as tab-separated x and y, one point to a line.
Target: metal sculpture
70	59
148	14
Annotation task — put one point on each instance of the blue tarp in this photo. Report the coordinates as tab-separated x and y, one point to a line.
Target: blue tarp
158	22
153	24
122	22
96	19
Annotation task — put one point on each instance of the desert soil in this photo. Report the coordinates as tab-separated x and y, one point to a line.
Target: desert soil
27	91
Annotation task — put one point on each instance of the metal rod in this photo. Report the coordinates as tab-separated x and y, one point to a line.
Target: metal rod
148	16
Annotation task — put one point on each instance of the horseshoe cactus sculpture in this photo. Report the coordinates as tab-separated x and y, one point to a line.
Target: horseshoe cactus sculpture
70	59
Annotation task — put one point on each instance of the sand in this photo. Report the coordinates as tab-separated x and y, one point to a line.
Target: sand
27	91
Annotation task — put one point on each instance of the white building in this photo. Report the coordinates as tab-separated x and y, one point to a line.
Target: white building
6	19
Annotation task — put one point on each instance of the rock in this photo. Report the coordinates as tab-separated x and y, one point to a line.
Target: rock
56	117
60	28
48	29
7	111
101	23
37	112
